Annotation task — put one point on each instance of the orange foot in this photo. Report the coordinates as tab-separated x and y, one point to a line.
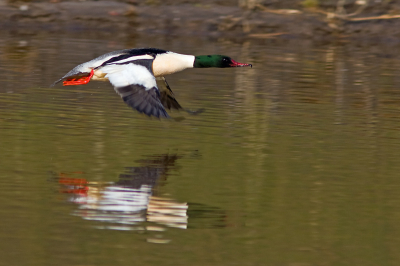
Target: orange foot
79	81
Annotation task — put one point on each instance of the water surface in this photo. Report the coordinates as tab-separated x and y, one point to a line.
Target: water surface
294	162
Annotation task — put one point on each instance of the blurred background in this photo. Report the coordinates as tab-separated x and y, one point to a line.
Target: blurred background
294	161
312	19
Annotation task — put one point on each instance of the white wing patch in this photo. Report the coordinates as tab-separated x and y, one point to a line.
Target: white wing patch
129	74
88	66
133	58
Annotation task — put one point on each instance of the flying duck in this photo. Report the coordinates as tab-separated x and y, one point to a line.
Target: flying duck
133	73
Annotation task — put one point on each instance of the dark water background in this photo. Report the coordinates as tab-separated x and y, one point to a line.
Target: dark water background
294	162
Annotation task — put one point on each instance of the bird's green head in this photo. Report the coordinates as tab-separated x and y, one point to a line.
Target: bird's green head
221	61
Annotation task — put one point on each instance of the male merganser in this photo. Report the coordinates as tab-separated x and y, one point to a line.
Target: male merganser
133	74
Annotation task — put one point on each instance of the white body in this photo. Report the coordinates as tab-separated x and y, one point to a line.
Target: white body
133	74
123	75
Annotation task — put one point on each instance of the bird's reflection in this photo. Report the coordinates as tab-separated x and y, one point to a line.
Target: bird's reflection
135	201
132	200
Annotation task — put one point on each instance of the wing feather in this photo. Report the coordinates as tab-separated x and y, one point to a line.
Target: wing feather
167	97
137	86
144	101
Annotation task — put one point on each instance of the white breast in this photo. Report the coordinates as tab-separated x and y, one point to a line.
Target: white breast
169	63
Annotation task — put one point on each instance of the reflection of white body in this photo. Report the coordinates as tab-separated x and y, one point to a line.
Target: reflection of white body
119	199
122	205
129	201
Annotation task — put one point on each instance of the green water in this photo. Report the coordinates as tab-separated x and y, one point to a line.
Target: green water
294	162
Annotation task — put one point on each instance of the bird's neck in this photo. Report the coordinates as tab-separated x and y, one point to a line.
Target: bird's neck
204	61
169	63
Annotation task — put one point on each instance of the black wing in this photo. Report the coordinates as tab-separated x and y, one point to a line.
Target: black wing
143	100
167	97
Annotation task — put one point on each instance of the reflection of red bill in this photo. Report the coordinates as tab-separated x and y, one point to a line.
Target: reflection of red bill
79	81
76	190
72	181
75	185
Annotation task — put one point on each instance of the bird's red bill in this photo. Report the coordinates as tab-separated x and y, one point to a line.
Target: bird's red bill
237	64
78	81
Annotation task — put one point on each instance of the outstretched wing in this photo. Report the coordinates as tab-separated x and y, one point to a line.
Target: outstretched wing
137	86
167	97
143	100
